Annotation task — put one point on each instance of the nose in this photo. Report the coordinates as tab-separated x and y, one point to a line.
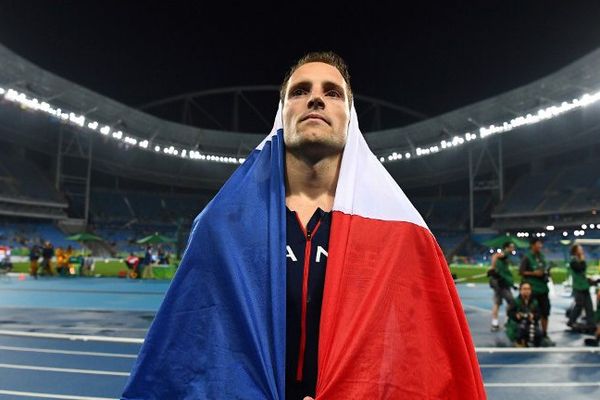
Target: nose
316	101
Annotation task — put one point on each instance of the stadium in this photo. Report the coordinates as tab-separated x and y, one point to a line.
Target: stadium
114	190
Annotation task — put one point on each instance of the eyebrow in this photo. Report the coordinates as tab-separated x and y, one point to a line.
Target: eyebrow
327	85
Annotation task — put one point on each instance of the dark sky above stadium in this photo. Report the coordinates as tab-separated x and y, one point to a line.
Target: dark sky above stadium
430	57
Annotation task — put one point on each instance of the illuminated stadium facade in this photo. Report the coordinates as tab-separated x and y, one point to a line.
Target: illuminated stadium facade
518	162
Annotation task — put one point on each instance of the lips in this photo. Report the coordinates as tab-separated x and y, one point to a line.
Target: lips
314	116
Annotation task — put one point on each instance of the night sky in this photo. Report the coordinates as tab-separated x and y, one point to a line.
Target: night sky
430	58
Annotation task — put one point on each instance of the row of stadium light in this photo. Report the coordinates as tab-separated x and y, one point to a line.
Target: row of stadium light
171	150
577	232
31	103
542	114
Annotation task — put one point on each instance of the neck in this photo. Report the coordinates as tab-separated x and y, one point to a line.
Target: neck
311	183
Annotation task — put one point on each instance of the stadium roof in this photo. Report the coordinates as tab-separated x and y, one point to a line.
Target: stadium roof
574	80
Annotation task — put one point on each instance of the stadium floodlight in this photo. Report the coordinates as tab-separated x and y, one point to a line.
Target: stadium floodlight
550	228
592	226
540	115
77	120
565	234
584	226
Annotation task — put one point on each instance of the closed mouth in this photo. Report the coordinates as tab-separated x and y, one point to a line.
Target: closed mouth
315	116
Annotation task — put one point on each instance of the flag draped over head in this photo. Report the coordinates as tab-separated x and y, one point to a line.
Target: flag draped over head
392	326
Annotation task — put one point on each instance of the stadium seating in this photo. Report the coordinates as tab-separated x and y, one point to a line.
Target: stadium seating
21	234
555	189
24	180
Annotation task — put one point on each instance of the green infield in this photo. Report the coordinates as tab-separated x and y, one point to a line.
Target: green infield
477	274
108	268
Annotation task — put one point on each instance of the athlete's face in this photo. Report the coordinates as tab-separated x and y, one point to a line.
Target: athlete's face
316	110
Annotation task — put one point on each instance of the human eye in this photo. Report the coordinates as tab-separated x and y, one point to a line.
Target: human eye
298	92
333	93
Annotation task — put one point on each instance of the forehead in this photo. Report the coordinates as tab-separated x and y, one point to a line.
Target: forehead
316	73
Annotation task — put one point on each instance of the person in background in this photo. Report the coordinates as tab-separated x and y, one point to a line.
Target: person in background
68	253
501	280
581	290
160	254
88	265
47	254
133	262
524	314
34	255
534	270
62	262
595	341
148	255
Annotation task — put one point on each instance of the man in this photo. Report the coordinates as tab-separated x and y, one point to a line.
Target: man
501	280
132	261
34	256
581	291
523	326
256	314
47	254
596	340
534	270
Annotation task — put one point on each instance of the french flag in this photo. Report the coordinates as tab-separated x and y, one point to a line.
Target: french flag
392	325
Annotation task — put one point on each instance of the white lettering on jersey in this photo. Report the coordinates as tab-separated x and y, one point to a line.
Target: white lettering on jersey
320	251
290	254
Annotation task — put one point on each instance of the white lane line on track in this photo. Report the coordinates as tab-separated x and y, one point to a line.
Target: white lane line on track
66	370
58	327
543	384
68	352
475	308
51	395
565	365
84	338
537	349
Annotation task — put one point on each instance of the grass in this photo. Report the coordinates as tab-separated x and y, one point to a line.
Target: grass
110	268
477	274
468	272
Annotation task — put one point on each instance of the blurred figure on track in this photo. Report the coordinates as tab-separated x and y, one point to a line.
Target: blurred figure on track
47	254
524	315
501	281
34	255
535	270
581	290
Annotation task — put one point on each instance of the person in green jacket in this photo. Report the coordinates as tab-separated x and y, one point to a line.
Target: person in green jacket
581	289
595	341
501	280
523	325
535	270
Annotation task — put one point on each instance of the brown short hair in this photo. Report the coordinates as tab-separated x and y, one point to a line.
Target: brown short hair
327	57
574	249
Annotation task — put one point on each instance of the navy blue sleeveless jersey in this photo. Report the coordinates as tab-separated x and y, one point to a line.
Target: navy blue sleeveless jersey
306	255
